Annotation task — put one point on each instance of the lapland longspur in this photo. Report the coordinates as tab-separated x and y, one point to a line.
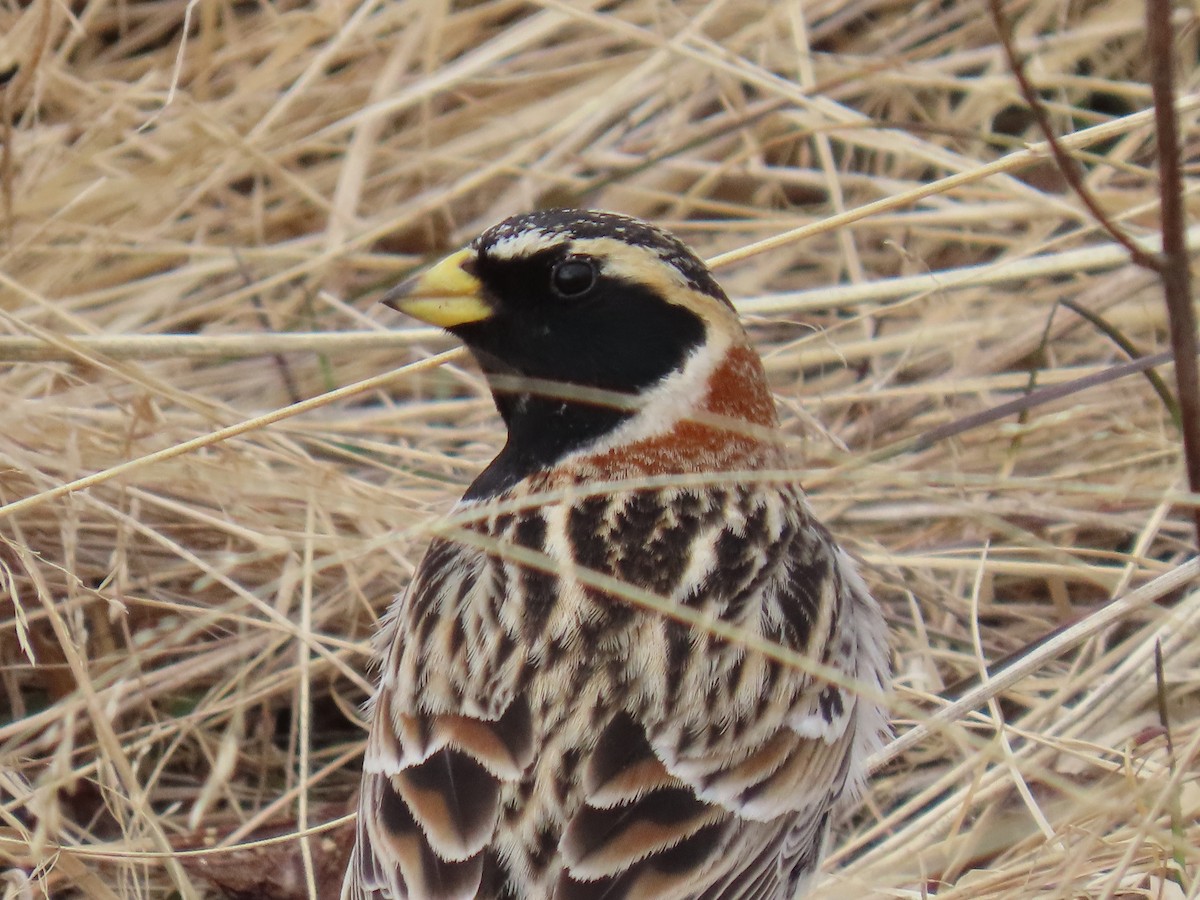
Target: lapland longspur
541	730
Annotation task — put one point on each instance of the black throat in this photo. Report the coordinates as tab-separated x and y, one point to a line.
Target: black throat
541	431
621	340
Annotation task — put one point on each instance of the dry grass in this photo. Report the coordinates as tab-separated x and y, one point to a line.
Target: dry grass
184	641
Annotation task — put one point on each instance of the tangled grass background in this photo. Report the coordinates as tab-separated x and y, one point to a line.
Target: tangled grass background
199	204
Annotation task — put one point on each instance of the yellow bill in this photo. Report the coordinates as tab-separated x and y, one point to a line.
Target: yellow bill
445	296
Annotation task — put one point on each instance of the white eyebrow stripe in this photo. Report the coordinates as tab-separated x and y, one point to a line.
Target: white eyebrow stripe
525	242
640	264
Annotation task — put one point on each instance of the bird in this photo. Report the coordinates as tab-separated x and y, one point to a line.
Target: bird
633	664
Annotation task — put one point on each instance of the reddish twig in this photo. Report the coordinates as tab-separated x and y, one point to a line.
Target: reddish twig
1171	265
1173	262
1114	334
1066	163
1037	398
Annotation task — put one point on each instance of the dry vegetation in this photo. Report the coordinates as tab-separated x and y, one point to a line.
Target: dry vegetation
184	642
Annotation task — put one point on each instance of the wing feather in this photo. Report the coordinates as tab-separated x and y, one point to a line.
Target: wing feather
720	785
432	778
704	807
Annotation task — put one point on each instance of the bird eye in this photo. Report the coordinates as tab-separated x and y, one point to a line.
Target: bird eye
572	277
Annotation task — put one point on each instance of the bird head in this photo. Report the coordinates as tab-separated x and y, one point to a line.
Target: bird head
586	324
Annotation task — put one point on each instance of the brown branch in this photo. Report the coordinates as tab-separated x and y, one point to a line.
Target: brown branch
1036	398
1114	334
1173	267
1066	163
